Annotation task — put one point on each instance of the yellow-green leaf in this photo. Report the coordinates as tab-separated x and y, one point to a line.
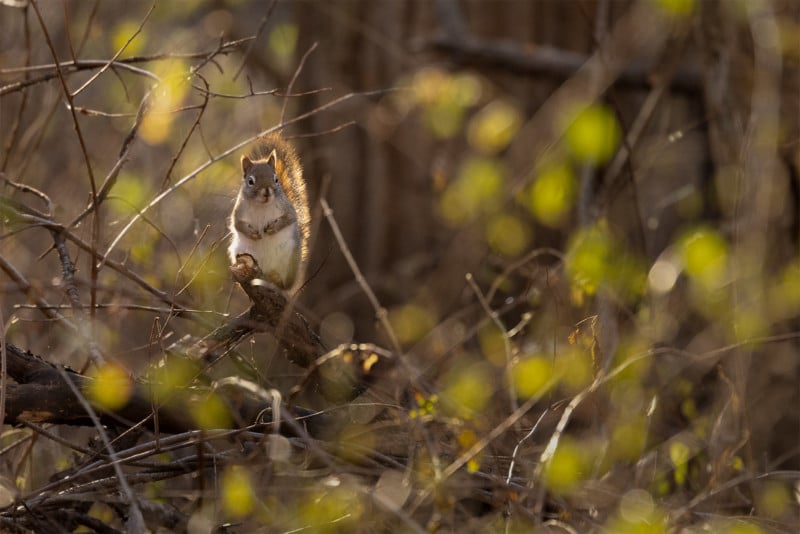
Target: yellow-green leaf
593	135
111	387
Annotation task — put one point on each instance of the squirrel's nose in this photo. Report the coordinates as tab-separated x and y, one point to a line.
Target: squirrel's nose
263	194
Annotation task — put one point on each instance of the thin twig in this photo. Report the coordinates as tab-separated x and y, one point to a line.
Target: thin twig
33	191
33	294
202	109
119	53
335	129
492	314
380	311
227	48
116	306
13	138
26	216
294	79
251	44
71	289
482	443
519	444
55	437
89	25
136	520
68	96
552	444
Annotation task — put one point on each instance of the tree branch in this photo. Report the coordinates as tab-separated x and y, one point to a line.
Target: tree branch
511	56
41	395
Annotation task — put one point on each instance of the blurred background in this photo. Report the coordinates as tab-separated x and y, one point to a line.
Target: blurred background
541	194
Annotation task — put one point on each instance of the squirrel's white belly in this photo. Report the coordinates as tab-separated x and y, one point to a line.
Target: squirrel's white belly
276	253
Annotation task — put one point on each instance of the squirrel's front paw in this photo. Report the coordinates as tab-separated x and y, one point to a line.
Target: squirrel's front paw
246	229
245	268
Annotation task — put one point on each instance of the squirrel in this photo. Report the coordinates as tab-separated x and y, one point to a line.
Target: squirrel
270	220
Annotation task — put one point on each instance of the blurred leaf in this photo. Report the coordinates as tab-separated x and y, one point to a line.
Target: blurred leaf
433	86
553	194
283	42
689	409
637	515
749	323
143	248
574	368
531	374
588	258
122	32
356	441
774	499
661	485
566	468
478	189
238	499
705	255
336	510
632	349
411	322
466	89
444	119
507	235
594	259
676	8
637	508
170	376
466	439
428	84
155	127
493	347
111	387
468	389
210	412
628	439
131	192
444	99
165	99
493	127
679	455
593	135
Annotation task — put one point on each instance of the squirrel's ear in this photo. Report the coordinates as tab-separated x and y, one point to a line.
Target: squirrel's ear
246	164
272	159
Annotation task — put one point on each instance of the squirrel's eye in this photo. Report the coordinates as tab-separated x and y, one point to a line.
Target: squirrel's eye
251	181
275	178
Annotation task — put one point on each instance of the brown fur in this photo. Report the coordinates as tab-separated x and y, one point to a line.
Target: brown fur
290	175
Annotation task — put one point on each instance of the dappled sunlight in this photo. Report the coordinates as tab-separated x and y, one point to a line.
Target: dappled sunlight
451	266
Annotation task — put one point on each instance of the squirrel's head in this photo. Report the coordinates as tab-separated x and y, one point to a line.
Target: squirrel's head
260	181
